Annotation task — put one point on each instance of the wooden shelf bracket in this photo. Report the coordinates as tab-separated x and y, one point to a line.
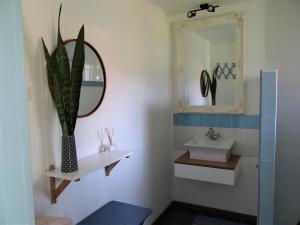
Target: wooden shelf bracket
57	190
110	167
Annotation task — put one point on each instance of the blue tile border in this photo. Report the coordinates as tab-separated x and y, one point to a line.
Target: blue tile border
217	120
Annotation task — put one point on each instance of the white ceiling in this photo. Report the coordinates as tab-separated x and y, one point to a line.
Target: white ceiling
175	6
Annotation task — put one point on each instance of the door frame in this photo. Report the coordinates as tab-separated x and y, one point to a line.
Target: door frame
16	193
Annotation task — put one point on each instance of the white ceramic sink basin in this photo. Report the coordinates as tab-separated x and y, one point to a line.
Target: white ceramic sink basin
206	149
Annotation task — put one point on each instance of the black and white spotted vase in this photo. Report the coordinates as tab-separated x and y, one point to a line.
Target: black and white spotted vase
69	156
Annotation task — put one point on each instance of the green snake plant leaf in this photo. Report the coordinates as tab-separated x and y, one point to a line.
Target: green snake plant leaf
214	79
53	77
213	86
65	85
64	70
76	77
49	72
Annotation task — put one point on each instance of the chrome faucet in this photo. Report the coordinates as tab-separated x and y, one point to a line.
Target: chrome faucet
213	136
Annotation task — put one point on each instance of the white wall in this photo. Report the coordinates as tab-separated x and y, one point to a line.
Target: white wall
283	53
132	37
243	197
225	52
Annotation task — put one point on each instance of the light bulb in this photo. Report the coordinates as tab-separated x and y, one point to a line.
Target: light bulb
191	14
211	8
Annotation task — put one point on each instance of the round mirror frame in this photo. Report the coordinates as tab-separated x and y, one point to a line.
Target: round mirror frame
104	77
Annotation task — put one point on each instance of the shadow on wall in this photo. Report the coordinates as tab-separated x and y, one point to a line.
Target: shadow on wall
43	119
158	157
252	94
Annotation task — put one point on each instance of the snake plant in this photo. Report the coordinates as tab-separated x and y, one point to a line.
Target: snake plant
213	86
65	82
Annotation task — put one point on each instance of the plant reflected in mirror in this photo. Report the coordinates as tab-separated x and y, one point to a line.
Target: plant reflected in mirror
209	84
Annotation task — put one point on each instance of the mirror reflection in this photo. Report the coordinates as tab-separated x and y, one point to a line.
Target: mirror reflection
211	49
93	79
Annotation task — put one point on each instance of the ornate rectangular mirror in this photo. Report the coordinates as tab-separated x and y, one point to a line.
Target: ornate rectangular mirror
209	64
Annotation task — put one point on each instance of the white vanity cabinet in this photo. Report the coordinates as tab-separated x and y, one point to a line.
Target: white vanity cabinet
209	171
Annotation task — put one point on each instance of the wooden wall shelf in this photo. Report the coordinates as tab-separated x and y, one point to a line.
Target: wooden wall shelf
106	160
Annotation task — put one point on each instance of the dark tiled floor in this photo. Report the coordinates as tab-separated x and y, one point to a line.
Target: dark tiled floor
183	216
207	220
178	217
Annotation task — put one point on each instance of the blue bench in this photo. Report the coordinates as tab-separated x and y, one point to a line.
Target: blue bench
118	213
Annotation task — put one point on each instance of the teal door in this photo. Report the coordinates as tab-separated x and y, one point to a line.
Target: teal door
16	204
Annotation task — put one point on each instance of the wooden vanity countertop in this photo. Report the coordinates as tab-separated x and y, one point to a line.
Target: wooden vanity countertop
229	165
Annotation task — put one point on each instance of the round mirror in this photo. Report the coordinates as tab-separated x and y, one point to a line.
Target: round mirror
93	79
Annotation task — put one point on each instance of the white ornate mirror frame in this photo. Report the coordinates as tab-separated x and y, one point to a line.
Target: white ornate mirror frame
178	82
